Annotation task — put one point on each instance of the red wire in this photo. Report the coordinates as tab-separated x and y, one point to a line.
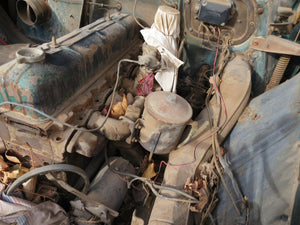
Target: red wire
121	178
3	42
225	113
187	164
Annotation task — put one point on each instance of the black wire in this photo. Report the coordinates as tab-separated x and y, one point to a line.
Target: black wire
151	185
112	169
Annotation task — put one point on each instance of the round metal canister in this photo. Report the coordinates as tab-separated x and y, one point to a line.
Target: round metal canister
163	121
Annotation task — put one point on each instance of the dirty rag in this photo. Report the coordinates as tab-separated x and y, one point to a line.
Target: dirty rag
22	212
163	35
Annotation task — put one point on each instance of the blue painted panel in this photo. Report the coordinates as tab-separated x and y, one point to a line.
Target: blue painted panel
65	17
264	153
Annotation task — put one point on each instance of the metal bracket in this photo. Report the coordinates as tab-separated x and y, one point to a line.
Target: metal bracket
274	44
153	143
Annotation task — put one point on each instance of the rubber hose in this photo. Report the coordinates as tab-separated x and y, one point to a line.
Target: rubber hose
49	169
279	71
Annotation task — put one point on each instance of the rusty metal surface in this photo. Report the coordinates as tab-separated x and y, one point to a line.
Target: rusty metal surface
47	85
107	188
235	89
49	140
33	11
163	121
8	52
145	9
168	108
274	44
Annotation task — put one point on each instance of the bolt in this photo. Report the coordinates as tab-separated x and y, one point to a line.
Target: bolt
255	55
260	11
119	6
54	44
191	29
107	16
255	43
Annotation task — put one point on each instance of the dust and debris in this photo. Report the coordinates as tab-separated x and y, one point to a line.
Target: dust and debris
202	187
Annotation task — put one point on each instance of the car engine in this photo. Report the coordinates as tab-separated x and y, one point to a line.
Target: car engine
116	112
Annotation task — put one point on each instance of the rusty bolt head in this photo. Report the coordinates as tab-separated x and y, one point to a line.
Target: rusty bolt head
260	11
108	16
255	43
119	6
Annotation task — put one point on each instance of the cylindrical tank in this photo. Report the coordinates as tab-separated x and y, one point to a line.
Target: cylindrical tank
108	189
164	119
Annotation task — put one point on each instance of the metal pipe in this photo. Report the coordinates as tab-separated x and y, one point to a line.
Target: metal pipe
118	129
33	11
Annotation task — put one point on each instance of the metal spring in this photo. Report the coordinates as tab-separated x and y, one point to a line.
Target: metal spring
280	68
279	71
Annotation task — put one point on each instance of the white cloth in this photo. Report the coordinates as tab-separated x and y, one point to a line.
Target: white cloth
162	35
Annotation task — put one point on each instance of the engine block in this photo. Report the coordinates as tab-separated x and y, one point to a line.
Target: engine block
69	81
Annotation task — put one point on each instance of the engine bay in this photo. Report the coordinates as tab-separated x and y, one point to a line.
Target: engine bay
122	112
